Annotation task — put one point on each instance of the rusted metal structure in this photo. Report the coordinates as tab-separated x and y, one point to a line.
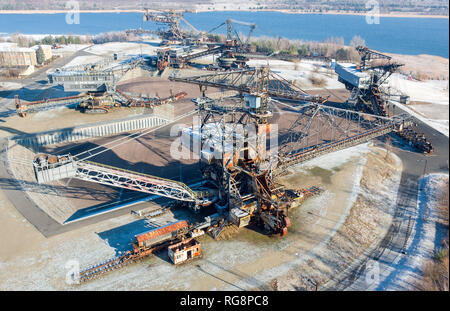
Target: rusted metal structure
68	167
240	172
365	83
97	82
372	72
232	141
252	81
156	236
169	27
169	58
131	101
23	108
184	251
417	140
232	51
101	76
144	245
95	102
231	145
101	103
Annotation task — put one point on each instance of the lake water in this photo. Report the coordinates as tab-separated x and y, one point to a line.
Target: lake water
396	35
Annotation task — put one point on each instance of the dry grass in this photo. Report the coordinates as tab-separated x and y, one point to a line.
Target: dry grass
436	271
423	67
10	73
317	81
228	233
443	203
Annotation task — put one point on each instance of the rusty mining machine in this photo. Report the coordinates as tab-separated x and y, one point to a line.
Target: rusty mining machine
367	94
233	52
169	27
365	80
97	83
97	102
230	140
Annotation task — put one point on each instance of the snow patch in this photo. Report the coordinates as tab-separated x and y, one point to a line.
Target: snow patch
421	246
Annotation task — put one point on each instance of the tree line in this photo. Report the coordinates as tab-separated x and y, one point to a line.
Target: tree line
333	47
28	41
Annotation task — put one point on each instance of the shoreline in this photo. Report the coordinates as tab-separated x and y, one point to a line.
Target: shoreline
40	36
286	11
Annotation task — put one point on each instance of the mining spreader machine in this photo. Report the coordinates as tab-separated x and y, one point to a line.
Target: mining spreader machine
366	82
240	172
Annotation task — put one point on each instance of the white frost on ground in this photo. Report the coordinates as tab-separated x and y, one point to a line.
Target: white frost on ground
320	250
300	72
127	48
441	126
10	86
82	60
423	243
434	93
71	48
335	159
46	268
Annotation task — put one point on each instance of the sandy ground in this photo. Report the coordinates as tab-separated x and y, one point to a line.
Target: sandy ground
248	261
428	66
366	221
127	48
300	72
60	117
328	231
66	50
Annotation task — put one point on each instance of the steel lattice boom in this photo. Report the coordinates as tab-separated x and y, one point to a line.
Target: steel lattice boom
116	177
49	168
252	81
320	129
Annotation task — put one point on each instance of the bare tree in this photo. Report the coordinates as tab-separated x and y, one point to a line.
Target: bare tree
357	41
388	146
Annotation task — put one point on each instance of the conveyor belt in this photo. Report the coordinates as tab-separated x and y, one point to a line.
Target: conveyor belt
319	150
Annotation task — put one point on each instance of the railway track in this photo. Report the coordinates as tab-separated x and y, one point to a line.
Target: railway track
112	264
95	271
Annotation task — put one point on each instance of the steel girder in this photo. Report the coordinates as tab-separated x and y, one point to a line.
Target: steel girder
322	129
253	81
112	176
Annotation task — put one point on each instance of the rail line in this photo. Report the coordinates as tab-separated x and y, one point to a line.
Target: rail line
112	264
